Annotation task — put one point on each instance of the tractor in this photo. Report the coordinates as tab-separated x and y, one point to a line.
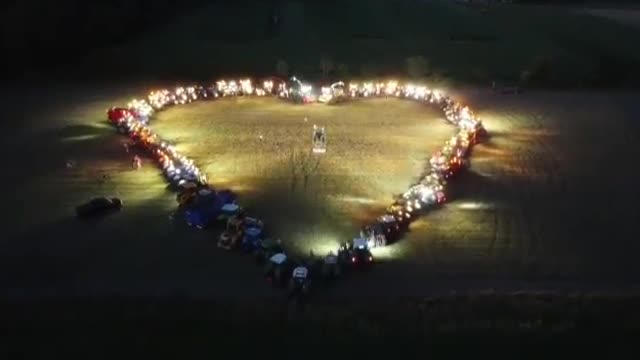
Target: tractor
299	92
205	208
252	229
187	194
385	230
319	140
447	165
117	115
231	237
356	253
267	248
278	269
330	267
333	94
228	211
299	283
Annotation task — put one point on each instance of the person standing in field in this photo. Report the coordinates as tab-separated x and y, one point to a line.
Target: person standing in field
136	163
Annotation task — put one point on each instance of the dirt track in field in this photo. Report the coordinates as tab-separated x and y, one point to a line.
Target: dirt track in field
550	202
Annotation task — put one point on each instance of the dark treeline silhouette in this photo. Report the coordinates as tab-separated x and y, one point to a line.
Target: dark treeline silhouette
41	34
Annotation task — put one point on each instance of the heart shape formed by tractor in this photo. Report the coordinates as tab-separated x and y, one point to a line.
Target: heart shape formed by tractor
202	206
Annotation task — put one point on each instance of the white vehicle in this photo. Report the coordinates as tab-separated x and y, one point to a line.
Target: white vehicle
319	140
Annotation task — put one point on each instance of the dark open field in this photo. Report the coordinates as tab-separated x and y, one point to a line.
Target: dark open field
549	202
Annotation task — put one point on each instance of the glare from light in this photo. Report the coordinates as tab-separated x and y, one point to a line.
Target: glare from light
470	205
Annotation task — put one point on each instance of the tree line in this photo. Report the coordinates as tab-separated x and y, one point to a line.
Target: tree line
40	33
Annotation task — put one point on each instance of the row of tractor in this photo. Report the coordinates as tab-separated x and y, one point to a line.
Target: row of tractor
202	206
445	164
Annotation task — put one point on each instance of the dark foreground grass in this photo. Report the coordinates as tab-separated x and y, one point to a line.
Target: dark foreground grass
536	45
526	324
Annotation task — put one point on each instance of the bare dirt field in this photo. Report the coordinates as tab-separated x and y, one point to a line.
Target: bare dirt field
549	203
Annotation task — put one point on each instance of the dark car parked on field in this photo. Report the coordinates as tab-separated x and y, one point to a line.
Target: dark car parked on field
98	206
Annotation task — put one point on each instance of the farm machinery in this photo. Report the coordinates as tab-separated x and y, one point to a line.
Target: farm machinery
205	92
385	230
299	283
298	91
225	88
252	234
366	89
228	211
232	235
205	208
428	193
319	140
453	157
160	99
334	93
356	253
123	118
117	114
202	206
247	233
187	193
183	95
242	231
267	248
277	269
330	266
447	165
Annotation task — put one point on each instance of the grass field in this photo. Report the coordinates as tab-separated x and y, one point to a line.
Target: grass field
549	202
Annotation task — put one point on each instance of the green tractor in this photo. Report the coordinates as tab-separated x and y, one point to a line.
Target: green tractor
266	248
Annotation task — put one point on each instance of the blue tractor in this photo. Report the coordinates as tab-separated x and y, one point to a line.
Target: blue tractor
230	210
252	234
206	207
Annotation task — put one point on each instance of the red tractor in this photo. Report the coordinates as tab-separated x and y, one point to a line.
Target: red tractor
116	115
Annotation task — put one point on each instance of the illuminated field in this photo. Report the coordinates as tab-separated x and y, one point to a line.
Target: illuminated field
376	148
550	198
